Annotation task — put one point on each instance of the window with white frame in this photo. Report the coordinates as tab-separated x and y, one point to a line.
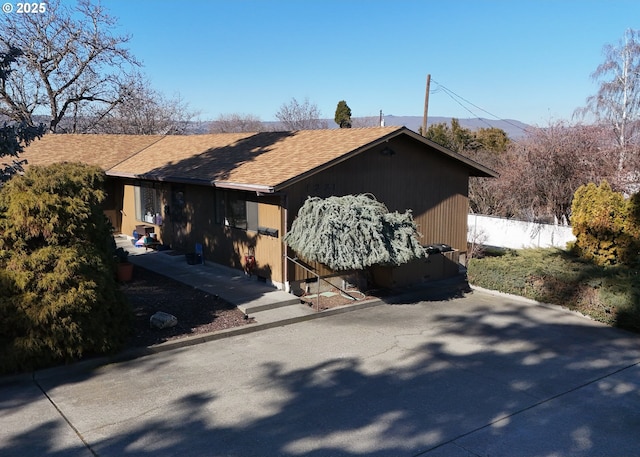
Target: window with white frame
148	204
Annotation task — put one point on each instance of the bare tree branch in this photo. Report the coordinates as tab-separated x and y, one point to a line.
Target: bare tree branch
300	116
236	123
617	102
541	172
142	111
71	54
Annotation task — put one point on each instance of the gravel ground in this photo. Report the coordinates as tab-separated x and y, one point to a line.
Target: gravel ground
197	311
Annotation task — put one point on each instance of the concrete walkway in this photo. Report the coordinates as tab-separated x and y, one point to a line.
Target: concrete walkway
232	285
268	306
480	375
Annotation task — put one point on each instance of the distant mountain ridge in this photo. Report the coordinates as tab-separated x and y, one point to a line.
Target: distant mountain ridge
515	129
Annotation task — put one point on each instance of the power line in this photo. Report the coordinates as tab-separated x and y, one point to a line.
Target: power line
467	109
456	98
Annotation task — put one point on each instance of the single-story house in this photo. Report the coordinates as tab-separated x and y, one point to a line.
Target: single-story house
236	194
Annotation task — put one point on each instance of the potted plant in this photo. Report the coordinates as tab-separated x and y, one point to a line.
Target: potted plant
124	270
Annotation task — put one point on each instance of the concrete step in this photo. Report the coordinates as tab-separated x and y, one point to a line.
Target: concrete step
269	300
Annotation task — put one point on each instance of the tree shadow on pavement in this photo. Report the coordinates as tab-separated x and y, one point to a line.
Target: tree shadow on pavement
468	379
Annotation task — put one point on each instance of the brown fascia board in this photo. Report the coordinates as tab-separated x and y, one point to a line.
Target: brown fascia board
197	182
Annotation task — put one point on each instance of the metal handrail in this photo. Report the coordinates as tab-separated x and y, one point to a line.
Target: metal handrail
295	260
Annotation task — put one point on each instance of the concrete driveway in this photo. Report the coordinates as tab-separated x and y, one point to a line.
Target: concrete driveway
476	376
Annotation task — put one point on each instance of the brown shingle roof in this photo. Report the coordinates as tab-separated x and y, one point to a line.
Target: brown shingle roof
268	160
264	159
104	151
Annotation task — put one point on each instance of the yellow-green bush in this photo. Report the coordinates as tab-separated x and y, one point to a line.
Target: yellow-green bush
606	225
59	299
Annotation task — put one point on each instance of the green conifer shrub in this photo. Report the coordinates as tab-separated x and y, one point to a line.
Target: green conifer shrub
59	299
343	115
606	225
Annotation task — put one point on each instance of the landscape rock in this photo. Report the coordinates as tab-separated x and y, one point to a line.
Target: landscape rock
162	320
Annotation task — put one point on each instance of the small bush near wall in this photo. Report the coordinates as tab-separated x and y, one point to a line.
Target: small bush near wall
606	225
609	294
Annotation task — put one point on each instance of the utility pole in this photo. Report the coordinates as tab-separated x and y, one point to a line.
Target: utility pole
426	107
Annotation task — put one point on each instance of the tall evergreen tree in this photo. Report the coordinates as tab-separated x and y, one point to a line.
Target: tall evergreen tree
343	115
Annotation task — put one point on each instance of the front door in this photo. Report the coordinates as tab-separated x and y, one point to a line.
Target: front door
178	216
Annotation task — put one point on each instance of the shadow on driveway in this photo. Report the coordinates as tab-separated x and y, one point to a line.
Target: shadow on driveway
471	376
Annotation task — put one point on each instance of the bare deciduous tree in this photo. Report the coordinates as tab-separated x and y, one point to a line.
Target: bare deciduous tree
541	172
477	237
617	102
14	137
484	193
300	116
143	111
236	123
71	67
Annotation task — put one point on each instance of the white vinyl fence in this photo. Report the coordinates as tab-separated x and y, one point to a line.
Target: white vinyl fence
513	234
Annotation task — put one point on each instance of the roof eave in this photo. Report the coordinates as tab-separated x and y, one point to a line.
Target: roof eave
200	182
261	188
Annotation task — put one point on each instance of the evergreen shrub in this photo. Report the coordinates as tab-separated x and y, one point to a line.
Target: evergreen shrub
606	225
59	299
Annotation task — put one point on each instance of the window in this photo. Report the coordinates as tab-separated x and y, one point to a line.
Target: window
238	212
148	204
252	216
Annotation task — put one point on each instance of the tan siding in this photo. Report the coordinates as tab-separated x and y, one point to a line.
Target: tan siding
129	220
297	273
269	216
268	249
224	245
128	211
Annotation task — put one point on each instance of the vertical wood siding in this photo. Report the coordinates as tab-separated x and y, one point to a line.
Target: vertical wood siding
402	175
224	245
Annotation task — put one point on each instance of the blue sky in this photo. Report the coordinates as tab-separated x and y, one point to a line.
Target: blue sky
526	60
